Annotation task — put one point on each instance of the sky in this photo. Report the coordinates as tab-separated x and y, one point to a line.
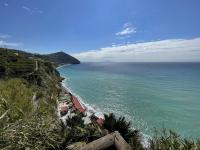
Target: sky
104	30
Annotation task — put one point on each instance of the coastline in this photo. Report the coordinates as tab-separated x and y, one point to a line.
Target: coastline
144	137
89	109
63	66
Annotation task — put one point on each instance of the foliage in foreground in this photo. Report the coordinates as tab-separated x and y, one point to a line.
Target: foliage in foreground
23	124
163	140
112	123
169	140
29	126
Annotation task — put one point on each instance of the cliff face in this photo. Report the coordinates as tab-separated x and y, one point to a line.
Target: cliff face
29	88
29	91
23	68
33	71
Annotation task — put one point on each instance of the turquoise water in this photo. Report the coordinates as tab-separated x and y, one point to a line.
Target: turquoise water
148	94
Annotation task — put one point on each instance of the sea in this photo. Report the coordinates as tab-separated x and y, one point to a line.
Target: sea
152	96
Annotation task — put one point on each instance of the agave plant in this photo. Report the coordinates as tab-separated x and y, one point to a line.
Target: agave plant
112	123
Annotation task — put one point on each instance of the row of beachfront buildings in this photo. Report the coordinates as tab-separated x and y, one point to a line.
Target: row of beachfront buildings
69	105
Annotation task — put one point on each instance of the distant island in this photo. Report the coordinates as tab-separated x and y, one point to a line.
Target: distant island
33	103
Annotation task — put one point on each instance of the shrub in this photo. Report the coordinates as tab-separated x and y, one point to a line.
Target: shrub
112	123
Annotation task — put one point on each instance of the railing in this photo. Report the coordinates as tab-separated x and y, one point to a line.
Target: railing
113	139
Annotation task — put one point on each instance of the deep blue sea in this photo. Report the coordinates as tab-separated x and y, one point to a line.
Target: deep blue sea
150	95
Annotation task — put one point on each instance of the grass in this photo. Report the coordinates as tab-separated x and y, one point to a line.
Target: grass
28	127
170	140
163	139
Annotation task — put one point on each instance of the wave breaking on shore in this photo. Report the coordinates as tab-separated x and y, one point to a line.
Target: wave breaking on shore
88	107
144	137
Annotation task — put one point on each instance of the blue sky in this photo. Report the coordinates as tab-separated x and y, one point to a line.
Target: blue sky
83	27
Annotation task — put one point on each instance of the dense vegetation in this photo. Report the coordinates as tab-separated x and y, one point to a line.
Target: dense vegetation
112	123
162	140
58	58
29	90
61	58
12	64
26	123
167	139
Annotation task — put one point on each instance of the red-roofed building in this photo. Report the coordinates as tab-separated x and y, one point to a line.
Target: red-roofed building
77	104
100	121
63	108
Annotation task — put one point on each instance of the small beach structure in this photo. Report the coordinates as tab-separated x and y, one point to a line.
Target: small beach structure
77	104
100	121
99	118
71	103
63	109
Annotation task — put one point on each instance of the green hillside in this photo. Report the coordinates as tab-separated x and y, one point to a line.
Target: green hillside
58	58
61	58
29	88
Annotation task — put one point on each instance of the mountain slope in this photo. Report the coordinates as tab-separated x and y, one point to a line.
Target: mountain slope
58	58
61	58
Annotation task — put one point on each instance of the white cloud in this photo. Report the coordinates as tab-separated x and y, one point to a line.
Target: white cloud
127	24
40	11
170	50
126	30
26	8
6	4
9	44
31	11
4	36
37	10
